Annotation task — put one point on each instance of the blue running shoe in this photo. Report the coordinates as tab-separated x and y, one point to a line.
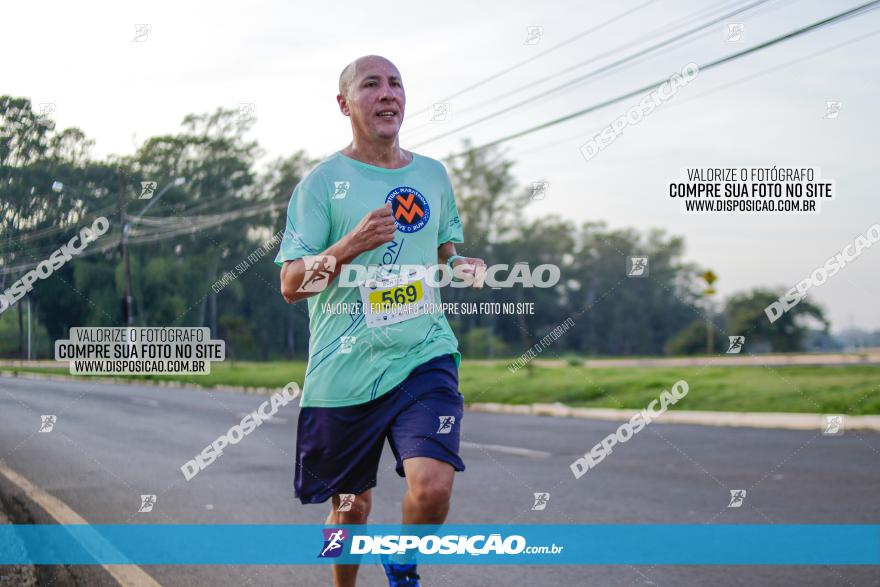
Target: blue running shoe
400	575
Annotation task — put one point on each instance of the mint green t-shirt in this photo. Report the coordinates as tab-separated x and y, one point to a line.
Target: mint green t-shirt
349	362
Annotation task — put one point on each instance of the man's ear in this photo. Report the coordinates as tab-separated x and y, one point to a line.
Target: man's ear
343	104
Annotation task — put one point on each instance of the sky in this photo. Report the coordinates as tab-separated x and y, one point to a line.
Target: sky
765	109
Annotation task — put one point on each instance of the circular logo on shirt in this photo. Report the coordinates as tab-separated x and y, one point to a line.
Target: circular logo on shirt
409	208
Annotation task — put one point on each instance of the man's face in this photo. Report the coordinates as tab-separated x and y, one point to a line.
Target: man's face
375	100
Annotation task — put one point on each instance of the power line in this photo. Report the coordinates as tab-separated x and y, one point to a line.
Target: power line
539	55
78	193
45	232
735	82
569	84
532	83
87	216
197	223
711	64
194	223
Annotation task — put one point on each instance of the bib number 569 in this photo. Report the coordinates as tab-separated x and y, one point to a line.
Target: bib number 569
399	295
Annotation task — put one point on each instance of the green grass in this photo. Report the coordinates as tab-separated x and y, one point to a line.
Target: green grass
849	389
236	374
846	389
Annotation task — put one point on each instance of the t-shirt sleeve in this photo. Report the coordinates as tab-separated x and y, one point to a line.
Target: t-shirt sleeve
450	224
307	231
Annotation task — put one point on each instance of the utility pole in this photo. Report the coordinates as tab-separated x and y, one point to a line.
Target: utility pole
29	356
709	277
126	227
129	317
20	333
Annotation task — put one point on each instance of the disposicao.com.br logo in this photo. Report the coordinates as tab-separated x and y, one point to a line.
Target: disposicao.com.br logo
409	544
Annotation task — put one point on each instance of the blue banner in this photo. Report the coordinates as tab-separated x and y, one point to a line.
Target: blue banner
295	544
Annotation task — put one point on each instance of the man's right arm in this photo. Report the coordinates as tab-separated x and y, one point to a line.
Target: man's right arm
374	230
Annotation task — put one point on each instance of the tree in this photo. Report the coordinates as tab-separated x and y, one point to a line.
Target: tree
620	315
485	188
36	219
24	134
691	340
745	317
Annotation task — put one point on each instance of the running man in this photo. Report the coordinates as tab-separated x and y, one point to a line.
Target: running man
374	373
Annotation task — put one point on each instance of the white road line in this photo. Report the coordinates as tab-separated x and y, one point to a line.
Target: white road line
126	575
511	450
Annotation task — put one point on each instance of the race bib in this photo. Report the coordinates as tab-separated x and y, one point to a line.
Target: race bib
396	298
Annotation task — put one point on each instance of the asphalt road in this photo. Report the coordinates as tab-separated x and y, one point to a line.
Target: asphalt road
112	443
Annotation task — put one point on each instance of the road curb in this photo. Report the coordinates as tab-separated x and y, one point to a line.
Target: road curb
141	382
777	420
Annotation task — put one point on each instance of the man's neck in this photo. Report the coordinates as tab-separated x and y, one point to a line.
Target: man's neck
388	155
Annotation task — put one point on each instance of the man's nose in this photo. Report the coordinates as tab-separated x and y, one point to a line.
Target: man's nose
388	92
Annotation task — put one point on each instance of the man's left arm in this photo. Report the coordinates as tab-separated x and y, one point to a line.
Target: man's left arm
469	265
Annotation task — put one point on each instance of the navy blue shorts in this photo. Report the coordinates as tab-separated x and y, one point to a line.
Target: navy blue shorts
338	449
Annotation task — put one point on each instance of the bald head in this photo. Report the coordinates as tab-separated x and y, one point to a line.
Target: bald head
349	74
371	94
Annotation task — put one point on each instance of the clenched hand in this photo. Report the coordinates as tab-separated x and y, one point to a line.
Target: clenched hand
374	230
